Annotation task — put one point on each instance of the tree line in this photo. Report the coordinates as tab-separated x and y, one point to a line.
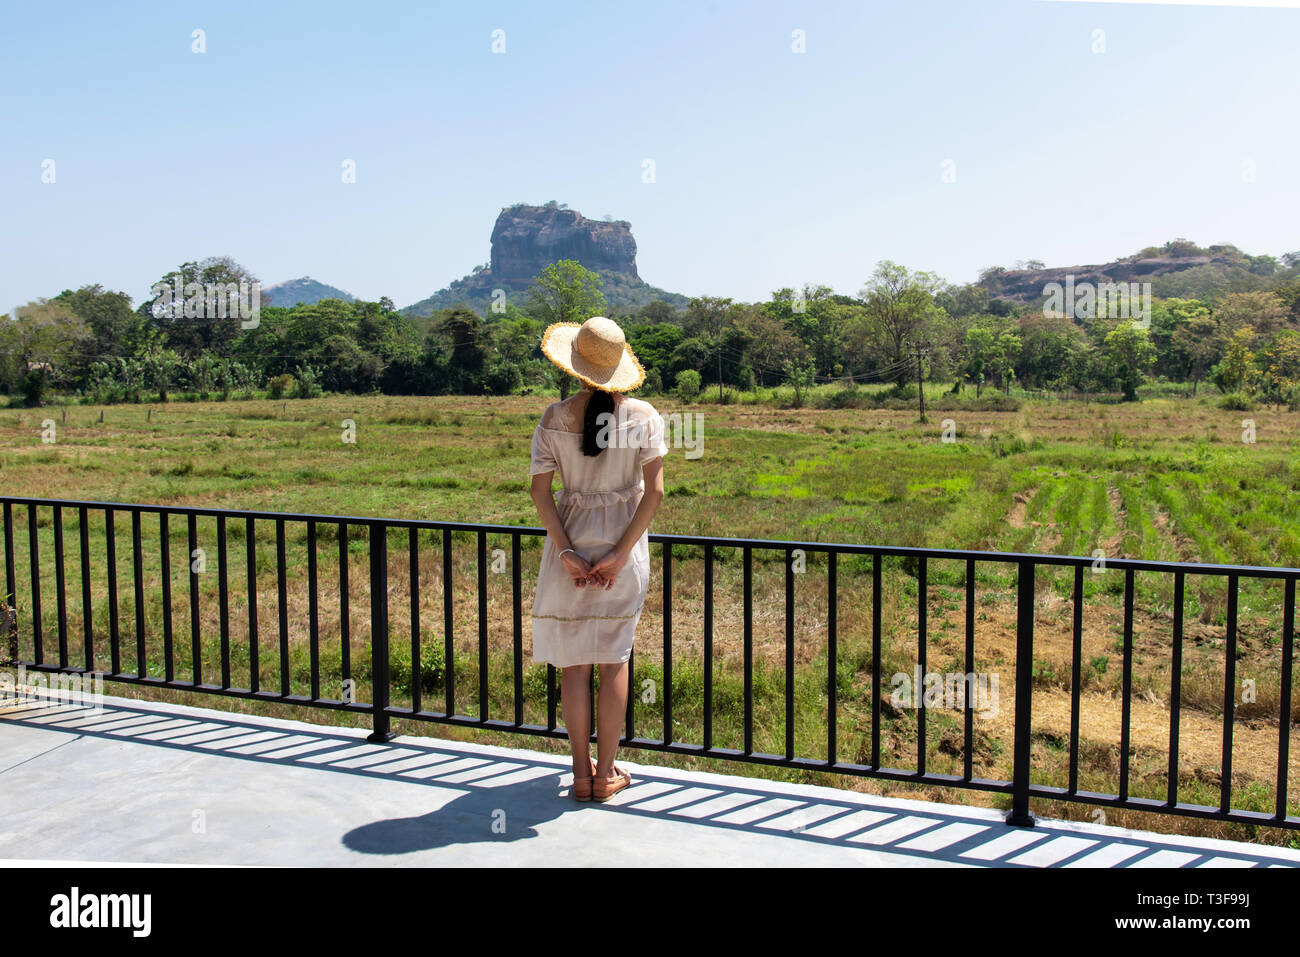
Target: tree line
93	344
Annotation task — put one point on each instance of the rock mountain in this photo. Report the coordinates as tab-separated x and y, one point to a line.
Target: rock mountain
306	291
526	239
1178	273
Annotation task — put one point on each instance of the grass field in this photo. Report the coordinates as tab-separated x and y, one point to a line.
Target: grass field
1163	479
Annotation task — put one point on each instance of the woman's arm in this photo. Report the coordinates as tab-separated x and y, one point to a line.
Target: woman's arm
544	499
606	570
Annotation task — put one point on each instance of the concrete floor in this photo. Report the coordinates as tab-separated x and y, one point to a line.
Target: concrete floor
146	783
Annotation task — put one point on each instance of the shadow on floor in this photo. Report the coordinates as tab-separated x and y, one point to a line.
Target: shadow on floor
504	796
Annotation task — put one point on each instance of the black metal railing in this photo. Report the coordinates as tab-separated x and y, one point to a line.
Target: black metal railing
866	572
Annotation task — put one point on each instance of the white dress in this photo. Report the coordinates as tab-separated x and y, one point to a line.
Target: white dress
589	625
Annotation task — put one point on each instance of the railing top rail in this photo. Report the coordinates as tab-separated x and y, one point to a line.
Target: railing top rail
844	548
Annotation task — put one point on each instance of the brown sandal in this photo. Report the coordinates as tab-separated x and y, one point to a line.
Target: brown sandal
582	786
605	788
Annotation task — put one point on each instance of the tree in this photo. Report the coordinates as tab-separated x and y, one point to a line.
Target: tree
1235	370
706	316
1182	247
1182	332
980	348
705	321
161	367
963	301
202	374
991	279
771	343
510	342
1280	374
461	331
565	291
1262	265
818	317
116	328
47	343
737	369
350	367
201	319
1008	351
1194	342
1263	311
1050	349
654	345
900	309
1129	355
801	376
658	311
693	354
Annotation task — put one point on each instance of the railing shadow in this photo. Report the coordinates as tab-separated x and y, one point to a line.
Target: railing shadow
496	795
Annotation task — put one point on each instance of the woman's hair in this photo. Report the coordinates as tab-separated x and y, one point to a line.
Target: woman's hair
599	403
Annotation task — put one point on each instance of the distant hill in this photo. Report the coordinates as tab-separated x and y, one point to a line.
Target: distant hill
526	239
306	291
1178	269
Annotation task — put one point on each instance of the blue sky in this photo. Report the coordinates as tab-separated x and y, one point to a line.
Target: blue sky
772	168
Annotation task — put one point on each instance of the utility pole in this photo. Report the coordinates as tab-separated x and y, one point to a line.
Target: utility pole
719	370
918	352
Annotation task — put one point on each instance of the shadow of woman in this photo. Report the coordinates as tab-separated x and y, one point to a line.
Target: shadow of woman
509	813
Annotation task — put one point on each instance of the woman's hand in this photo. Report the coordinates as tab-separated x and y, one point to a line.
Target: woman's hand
577	567
605	572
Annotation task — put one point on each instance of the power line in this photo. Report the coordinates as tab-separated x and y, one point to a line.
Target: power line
893	366
884	372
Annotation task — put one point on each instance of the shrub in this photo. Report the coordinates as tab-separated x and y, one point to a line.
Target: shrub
1004	444
847	396
502	377
106	392
433	669
36	385
801	375
279	385
688	384
1237	402
988	402
308	386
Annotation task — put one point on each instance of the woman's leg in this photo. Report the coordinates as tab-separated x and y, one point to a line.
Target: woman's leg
575	699
611	708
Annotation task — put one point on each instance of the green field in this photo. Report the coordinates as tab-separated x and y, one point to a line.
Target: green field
1163	479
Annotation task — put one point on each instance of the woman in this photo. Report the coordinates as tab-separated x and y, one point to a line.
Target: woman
595	568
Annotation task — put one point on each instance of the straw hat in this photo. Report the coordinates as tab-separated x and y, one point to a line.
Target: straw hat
596	352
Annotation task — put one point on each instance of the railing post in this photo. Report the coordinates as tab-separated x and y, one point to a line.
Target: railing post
1020	815
379	631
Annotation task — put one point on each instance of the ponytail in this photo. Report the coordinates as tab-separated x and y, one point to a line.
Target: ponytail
600	403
